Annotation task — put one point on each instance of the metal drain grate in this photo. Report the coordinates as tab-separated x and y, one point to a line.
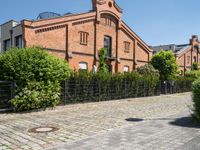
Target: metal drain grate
43	129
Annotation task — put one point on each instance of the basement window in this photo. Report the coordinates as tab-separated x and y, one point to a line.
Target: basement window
83	66
84	38
126	69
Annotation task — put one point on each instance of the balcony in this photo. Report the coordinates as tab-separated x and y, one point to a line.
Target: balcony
111	56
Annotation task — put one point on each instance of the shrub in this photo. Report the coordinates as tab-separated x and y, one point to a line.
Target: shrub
37	95
192	74
103	67
196	98
34	71
165	62
148	69
195	66
182	84
105	86
31	64
150	75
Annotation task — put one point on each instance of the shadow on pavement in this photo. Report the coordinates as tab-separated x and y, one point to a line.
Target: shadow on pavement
188	122
134	119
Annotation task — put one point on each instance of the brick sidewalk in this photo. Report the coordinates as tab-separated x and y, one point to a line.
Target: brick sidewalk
81	121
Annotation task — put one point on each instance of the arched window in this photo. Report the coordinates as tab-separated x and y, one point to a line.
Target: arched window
83	66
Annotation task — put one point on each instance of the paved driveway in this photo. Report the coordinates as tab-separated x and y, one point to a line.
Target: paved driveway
104	126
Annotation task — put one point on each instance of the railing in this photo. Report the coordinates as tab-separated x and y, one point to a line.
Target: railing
6	93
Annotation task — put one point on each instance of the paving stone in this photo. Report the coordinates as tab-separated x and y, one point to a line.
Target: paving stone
83	121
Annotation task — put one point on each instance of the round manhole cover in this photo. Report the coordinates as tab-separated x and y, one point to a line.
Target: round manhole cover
43	129
134	119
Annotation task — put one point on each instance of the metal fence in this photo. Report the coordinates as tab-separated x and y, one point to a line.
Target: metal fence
6	93
171	87
73	92
77	92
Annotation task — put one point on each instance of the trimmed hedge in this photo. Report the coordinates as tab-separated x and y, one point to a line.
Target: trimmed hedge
196	98
90	87
84	87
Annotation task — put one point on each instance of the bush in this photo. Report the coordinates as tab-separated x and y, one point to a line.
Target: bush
150	75
165	62
195	66
148	69
192	74
33	65
103	67
182	84
37	95
196	98
84	87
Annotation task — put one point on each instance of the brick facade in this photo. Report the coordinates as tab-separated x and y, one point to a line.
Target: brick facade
191	54
185	54
62	37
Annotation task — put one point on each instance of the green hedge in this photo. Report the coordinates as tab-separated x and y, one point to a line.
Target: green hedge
196	98
84	87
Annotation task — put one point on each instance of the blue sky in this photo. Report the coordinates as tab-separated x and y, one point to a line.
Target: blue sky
155	21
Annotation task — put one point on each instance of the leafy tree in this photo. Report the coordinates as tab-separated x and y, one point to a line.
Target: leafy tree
103	67
165	62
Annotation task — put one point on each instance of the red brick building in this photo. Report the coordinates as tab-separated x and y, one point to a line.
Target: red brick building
78	38
186	54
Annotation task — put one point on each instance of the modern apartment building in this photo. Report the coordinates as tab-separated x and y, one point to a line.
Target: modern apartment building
11	35
186	54
79	37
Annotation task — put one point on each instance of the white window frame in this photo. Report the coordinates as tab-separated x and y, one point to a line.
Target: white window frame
126	68
83	66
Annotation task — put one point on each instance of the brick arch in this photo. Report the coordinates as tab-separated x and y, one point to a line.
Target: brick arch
111	14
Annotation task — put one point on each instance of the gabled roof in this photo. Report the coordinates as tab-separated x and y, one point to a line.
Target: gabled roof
177	49
182	49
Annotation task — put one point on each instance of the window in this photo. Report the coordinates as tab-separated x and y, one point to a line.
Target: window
108	21
108	45
195	59
126	46
188	59
18	41
126	68
83	66
84	38
6	44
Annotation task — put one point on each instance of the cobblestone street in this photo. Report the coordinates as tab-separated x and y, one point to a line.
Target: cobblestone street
103	125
